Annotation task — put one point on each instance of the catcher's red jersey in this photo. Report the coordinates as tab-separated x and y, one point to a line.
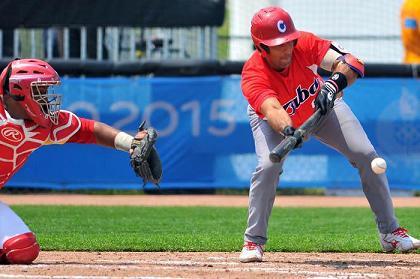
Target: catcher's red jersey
296	87
19	138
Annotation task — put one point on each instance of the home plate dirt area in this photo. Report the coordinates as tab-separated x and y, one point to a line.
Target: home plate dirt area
215	265
82	265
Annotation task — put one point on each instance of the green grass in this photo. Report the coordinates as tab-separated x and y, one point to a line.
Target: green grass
90	228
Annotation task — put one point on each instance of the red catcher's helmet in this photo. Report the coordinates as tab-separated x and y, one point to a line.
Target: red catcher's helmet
272	26
31	83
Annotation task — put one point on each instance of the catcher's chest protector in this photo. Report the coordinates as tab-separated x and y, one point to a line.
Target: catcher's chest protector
19	138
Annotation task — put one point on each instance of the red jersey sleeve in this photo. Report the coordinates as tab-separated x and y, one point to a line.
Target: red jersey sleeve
85	133
255	84
71	128
314	47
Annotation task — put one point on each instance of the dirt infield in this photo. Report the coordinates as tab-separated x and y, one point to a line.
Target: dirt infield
215	265
83	265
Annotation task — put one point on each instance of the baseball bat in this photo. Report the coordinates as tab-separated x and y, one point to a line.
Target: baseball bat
288	143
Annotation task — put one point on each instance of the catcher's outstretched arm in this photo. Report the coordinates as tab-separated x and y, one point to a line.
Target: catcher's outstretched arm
108	136
104	134
144	158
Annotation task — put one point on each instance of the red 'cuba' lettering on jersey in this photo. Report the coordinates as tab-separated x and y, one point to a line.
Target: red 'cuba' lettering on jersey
19	138
296	87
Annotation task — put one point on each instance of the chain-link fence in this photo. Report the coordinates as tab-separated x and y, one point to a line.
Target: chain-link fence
110	43
369	29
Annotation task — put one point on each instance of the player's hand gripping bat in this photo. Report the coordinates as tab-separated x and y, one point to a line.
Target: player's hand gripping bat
288	143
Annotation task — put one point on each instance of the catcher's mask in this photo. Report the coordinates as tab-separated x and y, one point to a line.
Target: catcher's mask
32	82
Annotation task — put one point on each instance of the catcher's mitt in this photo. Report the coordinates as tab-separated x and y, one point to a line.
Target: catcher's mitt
144	158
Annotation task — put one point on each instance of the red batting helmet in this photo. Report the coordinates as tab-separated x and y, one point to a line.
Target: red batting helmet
30	83
272	26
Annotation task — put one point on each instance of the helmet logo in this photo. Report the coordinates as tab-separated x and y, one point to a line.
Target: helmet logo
281	26
12	134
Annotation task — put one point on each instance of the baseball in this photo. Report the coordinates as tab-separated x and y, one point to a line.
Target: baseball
378	165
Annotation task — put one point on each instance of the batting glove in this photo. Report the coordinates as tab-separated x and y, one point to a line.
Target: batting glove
289	131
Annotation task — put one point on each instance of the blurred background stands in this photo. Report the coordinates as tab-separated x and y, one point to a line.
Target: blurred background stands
188	29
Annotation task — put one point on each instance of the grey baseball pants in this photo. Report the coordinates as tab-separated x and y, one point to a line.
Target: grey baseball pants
340	130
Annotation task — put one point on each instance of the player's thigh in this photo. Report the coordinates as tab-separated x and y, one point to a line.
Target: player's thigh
342	131
265	139
10	224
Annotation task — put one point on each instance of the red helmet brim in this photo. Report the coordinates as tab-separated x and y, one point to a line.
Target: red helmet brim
282	40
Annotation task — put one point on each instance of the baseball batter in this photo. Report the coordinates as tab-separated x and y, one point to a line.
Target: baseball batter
30	118
281	83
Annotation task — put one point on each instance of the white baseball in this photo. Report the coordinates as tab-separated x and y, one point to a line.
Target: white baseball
378	165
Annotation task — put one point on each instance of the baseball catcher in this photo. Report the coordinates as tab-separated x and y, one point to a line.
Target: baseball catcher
30	118
144	158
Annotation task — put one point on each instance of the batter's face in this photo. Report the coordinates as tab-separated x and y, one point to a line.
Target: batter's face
280	57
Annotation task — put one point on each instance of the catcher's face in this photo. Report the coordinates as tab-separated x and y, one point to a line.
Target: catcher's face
43	94
15	109
280	56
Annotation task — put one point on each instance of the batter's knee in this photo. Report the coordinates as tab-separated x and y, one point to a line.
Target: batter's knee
269	168
20	249
361	160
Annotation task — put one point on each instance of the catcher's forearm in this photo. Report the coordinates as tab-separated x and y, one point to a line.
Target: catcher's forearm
108	136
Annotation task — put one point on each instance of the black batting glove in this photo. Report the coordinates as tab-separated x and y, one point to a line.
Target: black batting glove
289	131
325	99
